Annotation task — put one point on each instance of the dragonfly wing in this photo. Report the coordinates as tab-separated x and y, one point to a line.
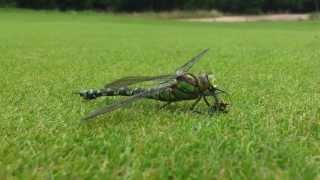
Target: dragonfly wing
127	101
130	80
111	107
187	66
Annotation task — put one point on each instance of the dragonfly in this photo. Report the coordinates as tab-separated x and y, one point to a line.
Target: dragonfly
178	86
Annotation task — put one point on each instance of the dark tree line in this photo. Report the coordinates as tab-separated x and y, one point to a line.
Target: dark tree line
235	6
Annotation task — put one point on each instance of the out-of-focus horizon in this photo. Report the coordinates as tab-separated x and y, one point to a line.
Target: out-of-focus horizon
229	6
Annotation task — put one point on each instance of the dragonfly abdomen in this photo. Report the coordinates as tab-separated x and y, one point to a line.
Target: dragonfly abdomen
122	91
164	95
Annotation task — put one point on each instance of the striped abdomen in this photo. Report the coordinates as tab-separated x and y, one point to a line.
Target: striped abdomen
168	94
184	89
95	93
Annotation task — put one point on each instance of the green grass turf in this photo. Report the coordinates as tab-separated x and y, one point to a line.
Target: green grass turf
271	69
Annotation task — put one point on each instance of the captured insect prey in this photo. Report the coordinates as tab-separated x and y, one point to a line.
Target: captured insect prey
169	88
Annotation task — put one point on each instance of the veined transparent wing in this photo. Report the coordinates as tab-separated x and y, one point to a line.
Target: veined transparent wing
188	65
127	101
130	80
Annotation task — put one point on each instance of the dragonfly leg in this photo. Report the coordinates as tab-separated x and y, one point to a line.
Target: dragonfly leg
195	103
206	101
165	105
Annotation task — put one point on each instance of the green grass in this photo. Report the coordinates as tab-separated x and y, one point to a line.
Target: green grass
271	69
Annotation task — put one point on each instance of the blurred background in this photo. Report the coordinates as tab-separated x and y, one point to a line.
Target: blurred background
232	6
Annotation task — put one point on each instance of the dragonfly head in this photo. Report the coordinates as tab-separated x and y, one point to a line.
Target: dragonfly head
213	91
211	86
205	81
211	80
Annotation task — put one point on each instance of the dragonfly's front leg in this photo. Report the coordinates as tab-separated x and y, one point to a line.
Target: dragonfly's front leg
212	108
195	103
206	101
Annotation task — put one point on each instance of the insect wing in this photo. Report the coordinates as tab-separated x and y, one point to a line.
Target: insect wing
130	80
187	66
127	101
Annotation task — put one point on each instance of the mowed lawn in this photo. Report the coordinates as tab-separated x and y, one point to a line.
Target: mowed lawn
271	70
